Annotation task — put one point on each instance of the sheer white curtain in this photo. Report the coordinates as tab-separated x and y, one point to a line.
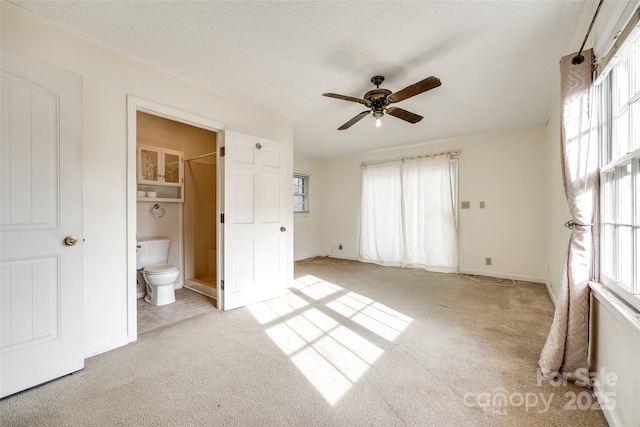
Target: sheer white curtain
381	237
408	217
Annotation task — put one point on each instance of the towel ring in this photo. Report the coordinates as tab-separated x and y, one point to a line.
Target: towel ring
156	211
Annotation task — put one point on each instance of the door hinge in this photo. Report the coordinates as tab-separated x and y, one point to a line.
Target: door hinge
222	151
222	218
222	284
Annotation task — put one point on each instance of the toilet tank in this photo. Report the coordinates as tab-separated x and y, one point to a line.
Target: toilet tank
152	251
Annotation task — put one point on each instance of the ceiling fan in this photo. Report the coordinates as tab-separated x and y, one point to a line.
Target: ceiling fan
377	100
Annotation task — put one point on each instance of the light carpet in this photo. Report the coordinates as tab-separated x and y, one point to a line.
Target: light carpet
351	344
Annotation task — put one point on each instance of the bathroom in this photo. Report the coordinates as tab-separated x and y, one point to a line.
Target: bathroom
183	212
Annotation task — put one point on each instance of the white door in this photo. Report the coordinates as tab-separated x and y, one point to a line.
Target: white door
41	204
257	197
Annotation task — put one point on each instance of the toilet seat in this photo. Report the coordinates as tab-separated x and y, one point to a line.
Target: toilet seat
160	269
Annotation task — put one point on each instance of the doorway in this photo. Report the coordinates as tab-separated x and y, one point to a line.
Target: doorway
189	219
200	236
164	124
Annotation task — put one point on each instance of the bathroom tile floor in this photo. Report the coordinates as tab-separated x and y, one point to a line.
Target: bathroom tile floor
188	304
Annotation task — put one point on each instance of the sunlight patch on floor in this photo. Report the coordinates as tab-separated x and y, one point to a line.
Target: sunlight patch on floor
376	317
271	310
319	289
328	353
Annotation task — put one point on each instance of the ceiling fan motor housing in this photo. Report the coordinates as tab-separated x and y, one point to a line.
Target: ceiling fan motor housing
376	99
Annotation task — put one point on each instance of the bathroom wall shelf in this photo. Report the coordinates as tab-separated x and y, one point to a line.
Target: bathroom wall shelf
163	194
161	171
159	199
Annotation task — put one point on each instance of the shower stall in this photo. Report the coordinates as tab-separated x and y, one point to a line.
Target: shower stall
200	237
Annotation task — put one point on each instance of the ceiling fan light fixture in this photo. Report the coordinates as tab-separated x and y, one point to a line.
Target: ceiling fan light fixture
378	114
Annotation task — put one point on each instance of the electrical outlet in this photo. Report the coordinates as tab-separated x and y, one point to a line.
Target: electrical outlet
487	261
466	205
339	246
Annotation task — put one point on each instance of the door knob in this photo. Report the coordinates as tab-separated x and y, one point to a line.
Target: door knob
70	240
283	229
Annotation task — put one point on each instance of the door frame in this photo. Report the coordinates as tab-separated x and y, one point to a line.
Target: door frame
135	104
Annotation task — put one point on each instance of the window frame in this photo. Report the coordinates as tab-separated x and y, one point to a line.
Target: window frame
306	195
618	128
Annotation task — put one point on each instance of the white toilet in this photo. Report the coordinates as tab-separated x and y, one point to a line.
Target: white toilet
152	255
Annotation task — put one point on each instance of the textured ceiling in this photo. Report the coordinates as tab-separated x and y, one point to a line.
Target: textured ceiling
498	61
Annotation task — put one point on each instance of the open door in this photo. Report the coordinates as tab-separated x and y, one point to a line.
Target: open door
257	197
41	312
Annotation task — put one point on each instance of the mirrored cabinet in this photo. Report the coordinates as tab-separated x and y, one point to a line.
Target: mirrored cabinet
160	171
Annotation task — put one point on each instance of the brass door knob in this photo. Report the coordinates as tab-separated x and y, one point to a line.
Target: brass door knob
70	240
283	229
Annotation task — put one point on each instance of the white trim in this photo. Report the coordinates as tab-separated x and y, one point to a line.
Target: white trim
609	414
348	258
552	295
135	104
621	16
104	347
620	161
305	257
620	292
307	177
504	276
626	315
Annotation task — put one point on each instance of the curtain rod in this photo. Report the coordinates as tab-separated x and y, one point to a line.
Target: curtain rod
422	156
201	156
579	59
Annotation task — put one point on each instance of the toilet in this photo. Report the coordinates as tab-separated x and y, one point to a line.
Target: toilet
151	257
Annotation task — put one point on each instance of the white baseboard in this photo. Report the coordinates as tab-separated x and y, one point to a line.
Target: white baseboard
344	257
504	276
302	258
551	293
103	348
609	415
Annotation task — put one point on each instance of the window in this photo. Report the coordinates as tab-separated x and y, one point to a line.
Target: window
617	99
300	193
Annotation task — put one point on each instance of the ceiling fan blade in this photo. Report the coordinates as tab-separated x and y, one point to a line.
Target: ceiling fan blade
405	115
354	120
415	89
344	97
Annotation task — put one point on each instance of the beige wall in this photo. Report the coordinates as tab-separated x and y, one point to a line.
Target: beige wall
108	77
160	132
507	170
307	225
